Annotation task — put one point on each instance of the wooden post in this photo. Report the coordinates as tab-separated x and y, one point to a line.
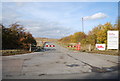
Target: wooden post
89	47
30	48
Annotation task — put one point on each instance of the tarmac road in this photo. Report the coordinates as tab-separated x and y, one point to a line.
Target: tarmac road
60	63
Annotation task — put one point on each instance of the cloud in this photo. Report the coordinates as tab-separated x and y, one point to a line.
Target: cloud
20	4
95	16
40	22
44	19
49	29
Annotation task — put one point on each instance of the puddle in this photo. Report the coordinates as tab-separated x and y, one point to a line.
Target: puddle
61	57
8	75
37	65
41	74
27	59
25	66
73	65
64	62
104	69
57	62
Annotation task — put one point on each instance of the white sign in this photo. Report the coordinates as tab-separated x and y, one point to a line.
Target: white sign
100	46
112	39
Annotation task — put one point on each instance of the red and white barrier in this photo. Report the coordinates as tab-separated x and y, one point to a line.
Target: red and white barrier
50	46
69	46
72	46
78	47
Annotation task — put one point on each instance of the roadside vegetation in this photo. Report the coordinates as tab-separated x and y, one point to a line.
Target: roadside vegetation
108	52
98	35
15	40
14	52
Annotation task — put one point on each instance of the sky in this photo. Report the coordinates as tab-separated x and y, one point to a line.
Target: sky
60	0
58	19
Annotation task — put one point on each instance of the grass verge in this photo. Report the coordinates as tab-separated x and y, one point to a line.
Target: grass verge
107	52
13	52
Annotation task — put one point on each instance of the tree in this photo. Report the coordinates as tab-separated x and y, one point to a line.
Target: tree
66	39
78	36
92	35
15	37
75	38
102	34
97	35
27	40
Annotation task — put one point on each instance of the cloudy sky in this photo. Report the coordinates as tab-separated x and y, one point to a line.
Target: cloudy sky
58	19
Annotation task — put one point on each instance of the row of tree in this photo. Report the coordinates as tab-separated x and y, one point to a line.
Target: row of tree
75	38
15	37
97	35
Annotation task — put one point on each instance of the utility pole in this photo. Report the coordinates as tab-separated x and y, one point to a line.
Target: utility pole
82	25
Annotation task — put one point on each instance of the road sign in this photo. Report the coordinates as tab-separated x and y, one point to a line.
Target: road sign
112	39
100	46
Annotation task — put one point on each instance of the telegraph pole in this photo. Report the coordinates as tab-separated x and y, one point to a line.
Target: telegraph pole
82	25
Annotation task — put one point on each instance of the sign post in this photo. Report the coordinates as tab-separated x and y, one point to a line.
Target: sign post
100	46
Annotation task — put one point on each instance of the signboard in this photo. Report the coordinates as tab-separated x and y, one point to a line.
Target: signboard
112	39
100	46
